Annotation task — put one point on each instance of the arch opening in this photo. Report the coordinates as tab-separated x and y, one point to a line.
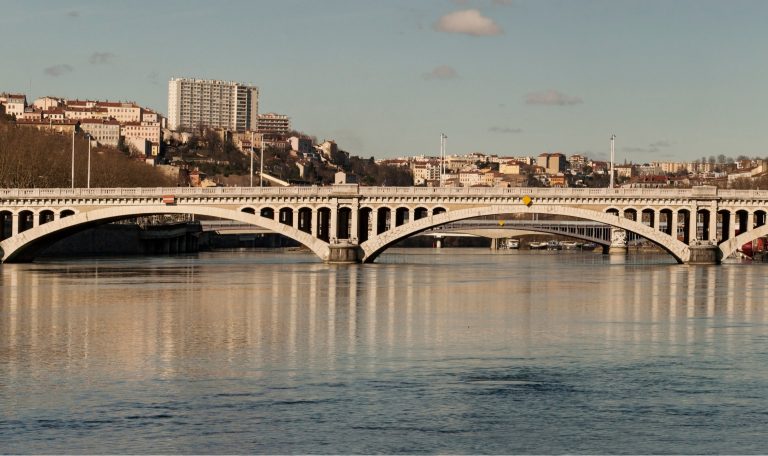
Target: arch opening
375	246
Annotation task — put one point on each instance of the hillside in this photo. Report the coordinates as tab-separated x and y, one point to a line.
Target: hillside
33	159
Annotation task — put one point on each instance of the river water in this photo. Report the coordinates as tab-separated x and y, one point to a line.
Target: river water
451	351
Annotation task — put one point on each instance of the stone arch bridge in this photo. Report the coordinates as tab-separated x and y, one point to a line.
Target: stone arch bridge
348	223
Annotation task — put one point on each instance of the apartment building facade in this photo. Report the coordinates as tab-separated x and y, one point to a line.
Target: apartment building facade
194	103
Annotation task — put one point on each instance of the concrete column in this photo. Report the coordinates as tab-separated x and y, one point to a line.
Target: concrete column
333	229
374	222
439	242
313	228
692	223
14	224
712	225
732	224
673	223
494	244
353	225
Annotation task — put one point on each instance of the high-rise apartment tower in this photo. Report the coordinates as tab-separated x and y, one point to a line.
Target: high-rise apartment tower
194	103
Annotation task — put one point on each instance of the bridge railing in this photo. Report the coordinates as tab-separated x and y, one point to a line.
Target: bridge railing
703	191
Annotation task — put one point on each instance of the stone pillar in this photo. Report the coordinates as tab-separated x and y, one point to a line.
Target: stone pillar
750	221
712	226
438	242
354	229
411	215
672	222
693	221
35	220
313	228
656	222
374	223
14	224
295	219
333	229
618	241
494	244
732	223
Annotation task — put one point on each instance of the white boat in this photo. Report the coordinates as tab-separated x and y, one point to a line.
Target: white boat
554	245
537	245
571	245
513	244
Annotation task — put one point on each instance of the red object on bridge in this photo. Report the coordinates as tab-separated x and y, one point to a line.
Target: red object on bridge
169	199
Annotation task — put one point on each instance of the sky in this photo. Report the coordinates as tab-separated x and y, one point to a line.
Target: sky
672	79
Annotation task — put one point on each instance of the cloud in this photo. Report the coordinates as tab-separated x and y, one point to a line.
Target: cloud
652	148
507	130
468	22
441	72
58	70
100	58
552	98
73	14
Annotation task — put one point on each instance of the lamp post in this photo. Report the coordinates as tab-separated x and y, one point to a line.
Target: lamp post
261	162
73	158
613	137
88	137
443	137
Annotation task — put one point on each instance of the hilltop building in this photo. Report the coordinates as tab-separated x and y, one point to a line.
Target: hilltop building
194	103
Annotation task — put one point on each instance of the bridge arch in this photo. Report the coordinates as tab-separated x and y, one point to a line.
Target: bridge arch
25	245
728	247
375	246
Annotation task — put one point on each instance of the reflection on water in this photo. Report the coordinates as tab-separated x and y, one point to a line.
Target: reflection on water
450	351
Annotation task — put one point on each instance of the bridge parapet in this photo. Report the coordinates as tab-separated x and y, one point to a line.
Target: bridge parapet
379	216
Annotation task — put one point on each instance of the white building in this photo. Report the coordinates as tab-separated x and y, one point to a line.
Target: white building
105	132
196	103
14	103
273	123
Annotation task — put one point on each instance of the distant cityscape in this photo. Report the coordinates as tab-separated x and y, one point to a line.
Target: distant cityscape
231	110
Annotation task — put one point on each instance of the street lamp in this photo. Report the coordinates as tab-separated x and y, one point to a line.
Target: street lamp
443	137
88	137
261	162
73	157
613	137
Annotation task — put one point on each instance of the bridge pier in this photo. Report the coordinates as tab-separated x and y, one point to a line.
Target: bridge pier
702	253
618	242
345	254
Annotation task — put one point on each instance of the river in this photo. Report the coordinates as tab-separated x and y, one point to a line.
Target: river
427	351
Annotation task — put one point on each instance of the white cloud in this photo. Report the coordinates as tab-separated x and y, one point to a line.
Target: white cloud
469	22
552	98
98	58
441	72
58	70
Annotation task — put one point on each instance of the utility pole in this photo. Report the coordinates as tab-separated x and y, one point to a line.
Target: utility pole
613	138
